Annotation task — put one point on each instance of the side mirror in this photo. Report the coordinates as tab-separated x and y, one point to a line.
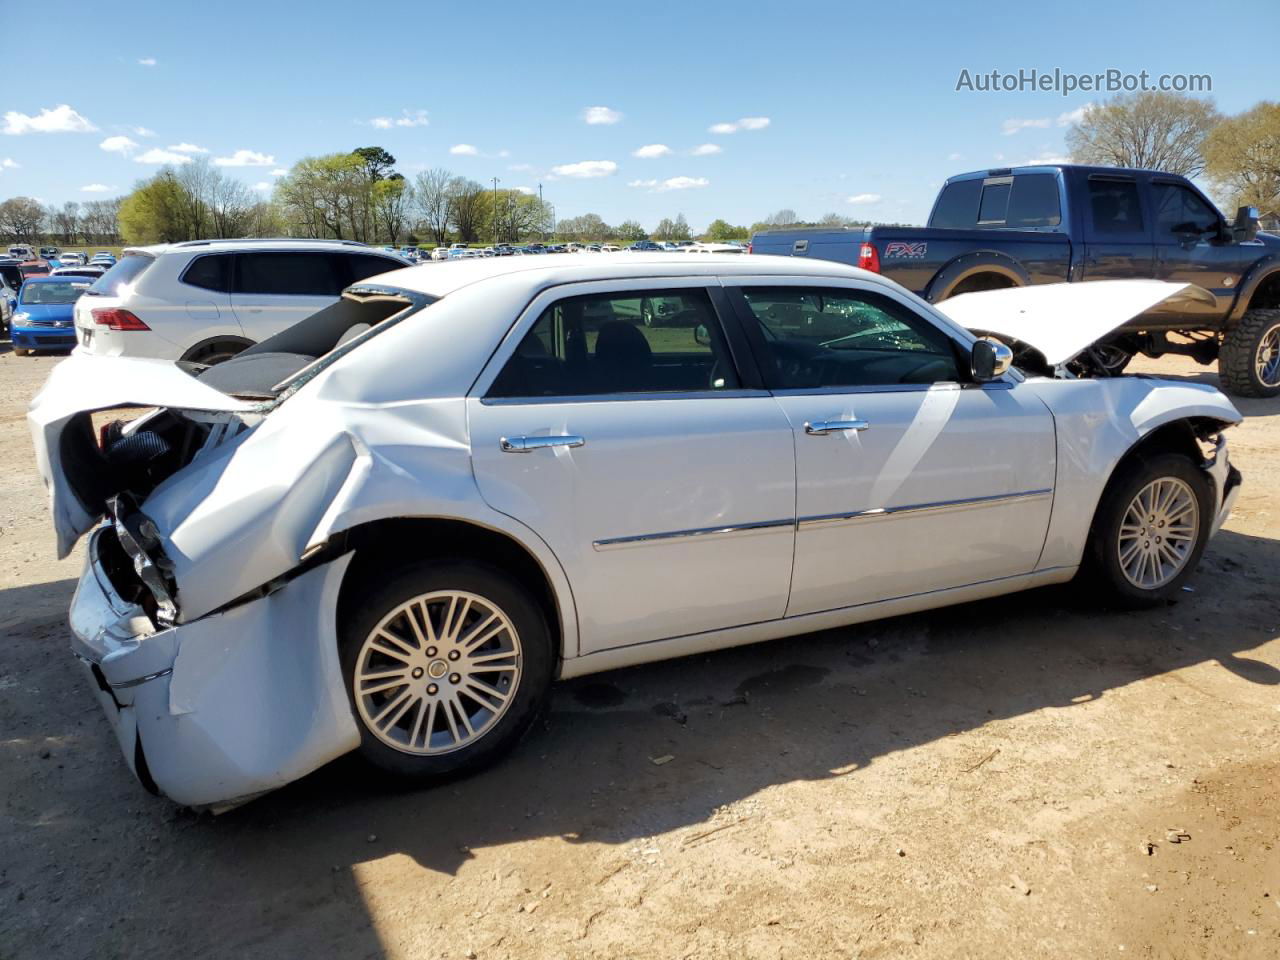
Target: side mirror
1245	228
989	359
701	335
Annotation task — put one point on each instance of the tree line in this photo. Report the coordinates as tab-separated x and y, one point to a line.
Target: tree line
27	220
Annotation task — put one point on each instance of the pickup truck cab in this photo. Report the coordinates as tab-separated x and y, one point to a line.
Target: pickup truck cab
1015	227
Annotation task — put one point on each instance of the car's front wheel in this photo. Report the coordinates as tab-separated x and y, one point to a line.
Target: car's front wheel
1151	528
447	665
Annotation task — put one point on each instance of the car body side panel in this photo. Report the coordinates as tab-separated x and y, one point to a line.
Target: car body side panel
1098	422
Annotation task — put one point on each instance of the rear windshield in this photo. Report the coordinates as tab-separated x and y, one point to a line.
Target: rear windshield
957	205
58	291
126	270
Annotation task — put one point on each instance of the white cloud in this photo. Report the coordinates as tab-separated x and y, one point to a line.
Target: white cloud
188	148
651	150
61	119
503	153
118	144
147	62
600	115
673	183
463	150
96	188
1046	158
527	191
156	155
279	172
142	132
246	158
586	169
262	185
9	163
518	167
954	156
1014	124
706	149
407	118
745	123
1073	116
861	198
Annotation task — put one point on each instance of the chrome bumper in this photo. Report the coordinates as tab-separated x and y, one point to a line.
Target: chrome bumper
217	711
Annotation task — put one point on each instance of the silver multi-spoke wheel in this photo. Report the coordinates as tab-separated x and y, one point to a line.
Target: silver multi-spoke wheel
1158	533
437	672
1266	359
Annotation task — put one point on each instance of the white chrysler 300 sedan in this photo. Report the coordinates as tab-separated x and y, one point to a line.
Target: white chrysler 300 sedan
390	527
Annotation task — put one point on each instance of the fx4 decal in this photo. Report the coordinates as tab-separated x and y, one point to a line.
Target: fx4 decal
901	250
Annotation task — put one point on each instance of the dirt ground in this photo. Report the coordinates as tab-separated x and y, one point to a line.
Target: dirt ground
995	780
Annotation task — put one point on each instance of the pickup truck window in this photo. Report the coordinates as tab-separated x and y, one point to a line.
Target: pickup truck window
957	207
1114	206
1033	201
845	338
995	201
1180	212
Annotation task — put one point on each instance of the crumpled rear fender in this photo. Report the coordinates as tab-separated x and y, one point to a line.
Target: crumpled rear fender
1097	423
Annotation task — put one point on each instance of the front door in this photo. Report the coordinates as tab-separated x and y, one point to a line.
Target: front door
1190	248
613	425
909	479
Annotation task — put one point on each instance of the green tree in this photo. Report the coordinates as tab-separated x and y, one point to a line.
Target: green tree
721	230
1242	157
630	230
1150	131
155	212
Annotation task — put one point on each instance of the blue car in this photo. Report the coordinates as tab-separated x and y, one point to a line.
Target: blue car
44	319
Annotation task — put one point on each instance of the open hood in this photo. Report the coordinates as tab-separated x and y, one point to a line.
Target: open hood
1061	320
82	385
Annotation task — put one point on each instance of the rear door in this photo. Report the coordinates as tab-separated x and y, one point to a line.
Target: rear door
626	440
1117	231
273	290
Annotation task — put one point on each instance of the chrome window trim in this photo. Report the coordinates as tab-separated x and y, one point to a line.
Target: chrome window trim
940	506
874	513
623	397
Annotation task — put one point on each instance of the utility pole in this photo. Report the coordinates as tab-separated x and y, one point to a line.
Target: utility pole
495	211
542	213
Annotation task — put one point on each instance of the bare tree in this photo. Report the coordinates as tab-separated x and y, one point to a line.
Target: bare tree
431	200
468	207
1242	156
1151	131
20	218
67	219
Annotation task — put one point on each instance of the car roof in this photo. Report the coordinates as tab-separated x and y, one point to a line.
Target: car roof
53	278
438	280
263	243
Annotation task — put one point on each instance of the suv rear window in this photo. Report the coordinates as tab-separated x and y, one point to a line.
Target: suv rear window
126	270
210	273
957	206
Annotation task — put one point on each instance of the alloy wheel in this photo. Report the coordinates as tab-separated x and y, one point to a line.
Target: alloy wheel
1158	533
437	673
1266	360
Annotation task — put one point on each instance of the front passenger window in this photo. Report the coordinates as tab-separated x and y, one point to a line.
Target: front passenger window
846	338
660	341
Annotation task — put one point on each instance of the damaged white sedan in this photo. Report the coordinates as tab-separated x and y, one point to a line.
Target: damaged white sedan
390	527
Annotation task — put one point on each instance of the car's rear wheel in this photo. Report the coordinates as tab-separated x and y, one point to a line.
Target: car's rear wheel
446	666
215	351
1151	528
1249	363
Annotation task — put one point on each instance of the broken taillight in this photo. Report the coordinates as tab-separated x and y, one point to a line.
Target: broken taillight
113	318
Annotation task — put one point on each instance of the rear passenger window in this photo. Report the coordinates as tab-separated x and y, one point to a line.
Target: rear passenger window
364	265
1033	202
995	201
662	341
296	274
957	206
210	273
1114	207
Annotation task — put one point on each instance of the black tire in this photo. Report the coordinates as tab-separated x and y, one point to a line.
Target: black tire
1102	559
646	311
536	661
1237	362
215	351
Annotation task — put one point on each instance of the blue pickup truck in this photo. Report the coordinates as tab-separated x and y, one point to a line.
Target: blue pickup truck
1017	226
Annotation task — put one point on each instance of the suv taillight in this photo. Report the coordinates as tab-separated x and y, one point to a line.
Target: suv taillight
113	318
869	257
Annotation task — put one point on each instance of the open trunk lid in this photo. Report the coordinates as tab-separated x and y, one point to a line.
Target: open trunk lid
67	452
1062	320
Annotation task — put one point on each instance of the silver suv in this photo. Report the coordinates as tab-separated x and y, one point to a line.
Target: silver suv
206	300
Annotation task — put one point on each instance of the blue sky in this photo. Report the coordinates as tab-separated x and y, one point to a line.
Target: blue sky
847	107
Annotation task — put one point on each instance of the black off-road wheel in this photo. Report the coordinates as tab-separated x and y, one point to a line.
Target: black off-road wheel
447	665
1249	364
1150	529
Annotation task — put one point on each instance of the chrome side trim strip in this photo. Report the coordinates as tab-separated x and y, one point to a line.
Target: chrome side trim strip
706	532
125	684
879	513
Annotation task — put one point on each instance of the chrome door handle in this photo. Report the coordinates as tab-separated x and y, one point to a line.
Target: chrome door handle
528	444
820	428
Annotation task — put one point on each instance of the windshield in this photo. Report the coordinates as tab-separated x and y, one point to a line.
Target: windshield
126	270
58	291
